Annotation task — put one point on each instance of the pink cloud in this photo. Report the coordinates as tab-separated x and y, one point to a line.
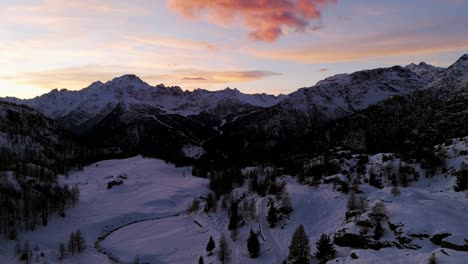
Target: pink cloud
265	19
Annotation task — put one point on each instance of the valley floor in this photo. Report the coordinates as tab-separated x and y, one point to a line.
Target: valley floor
145	217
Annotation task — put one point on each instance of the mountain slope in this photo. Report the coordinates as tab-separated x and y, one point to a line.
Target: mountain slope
424	118
74	108
295	125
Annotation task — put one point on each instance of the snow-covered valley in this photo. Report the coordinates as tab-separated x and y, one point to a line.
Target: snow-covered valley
145	216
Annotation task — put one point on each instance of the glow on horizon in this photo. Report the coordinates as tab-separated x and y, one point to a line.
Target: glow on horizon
256	46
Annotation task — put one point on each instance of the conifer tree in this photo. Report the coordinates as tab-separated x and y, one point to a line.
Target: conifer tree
61	252
252	209
286	204
253	244
136	260
71	244
17	249
224	254
79	241
378	231
325	249
26	252
272	216
234	219
299	249
200	260
210	246
209	203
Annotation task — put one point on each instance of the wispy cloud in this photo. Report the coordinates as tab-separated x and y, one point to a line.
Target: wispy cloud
412	42
195	77
79	77
266	20
176	43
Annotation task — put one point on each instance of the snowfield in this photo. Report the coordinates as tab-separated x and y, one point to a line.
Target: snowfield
146	216
151	189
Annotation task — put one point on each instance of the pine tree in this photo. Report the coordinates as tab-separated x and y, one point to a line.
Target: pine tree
462	179
71	244
234	219
352	201
299	249
325	249
272	216
17	249
209	203
79	241
136	260
210	246
433	259
378	212
200	260
378	231
26	252
75	192
253	245
252	210
61	252
224	254
286	204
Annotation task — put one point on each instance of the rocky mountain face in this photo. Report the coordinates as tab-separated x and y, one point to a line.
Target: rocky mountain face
421	119
394	108
29	138
296	124
82	109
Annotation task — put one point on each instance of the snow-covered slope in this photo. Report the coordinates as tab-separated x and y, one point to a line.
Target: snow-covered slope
76	107
150	189
339	96
424	70
343	94
146	215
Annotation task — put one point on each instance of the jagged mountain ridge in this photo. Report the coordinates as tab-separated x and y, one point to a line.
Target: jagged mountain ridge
161	120
424	118
333	98
75	108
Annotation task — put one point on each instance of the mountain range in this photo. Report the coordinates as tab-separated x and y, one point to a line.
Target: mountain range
372	110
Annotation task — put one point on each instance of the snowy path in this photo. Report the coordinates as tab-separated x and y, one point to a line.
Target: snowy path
109	255
250	113
275	247
218	129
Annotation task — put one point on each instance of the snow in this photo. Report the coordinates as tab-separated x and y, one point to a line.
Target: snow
343	94
98	99
145	216
151	189
194	152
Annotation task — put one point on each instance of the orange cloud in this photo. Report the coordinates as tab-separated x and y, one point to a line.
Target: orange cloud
266	19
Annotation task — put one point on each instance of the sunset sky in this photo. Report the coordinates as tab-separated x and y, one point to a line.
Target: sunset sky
272	46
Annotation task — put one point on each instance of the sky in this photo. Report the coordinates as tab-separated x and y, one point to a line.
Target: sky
257	46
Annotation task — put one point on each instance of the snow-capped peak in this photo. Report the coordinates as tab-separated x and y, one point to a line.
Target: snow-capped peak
343	94
457	73
99	98
424	70
461	65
